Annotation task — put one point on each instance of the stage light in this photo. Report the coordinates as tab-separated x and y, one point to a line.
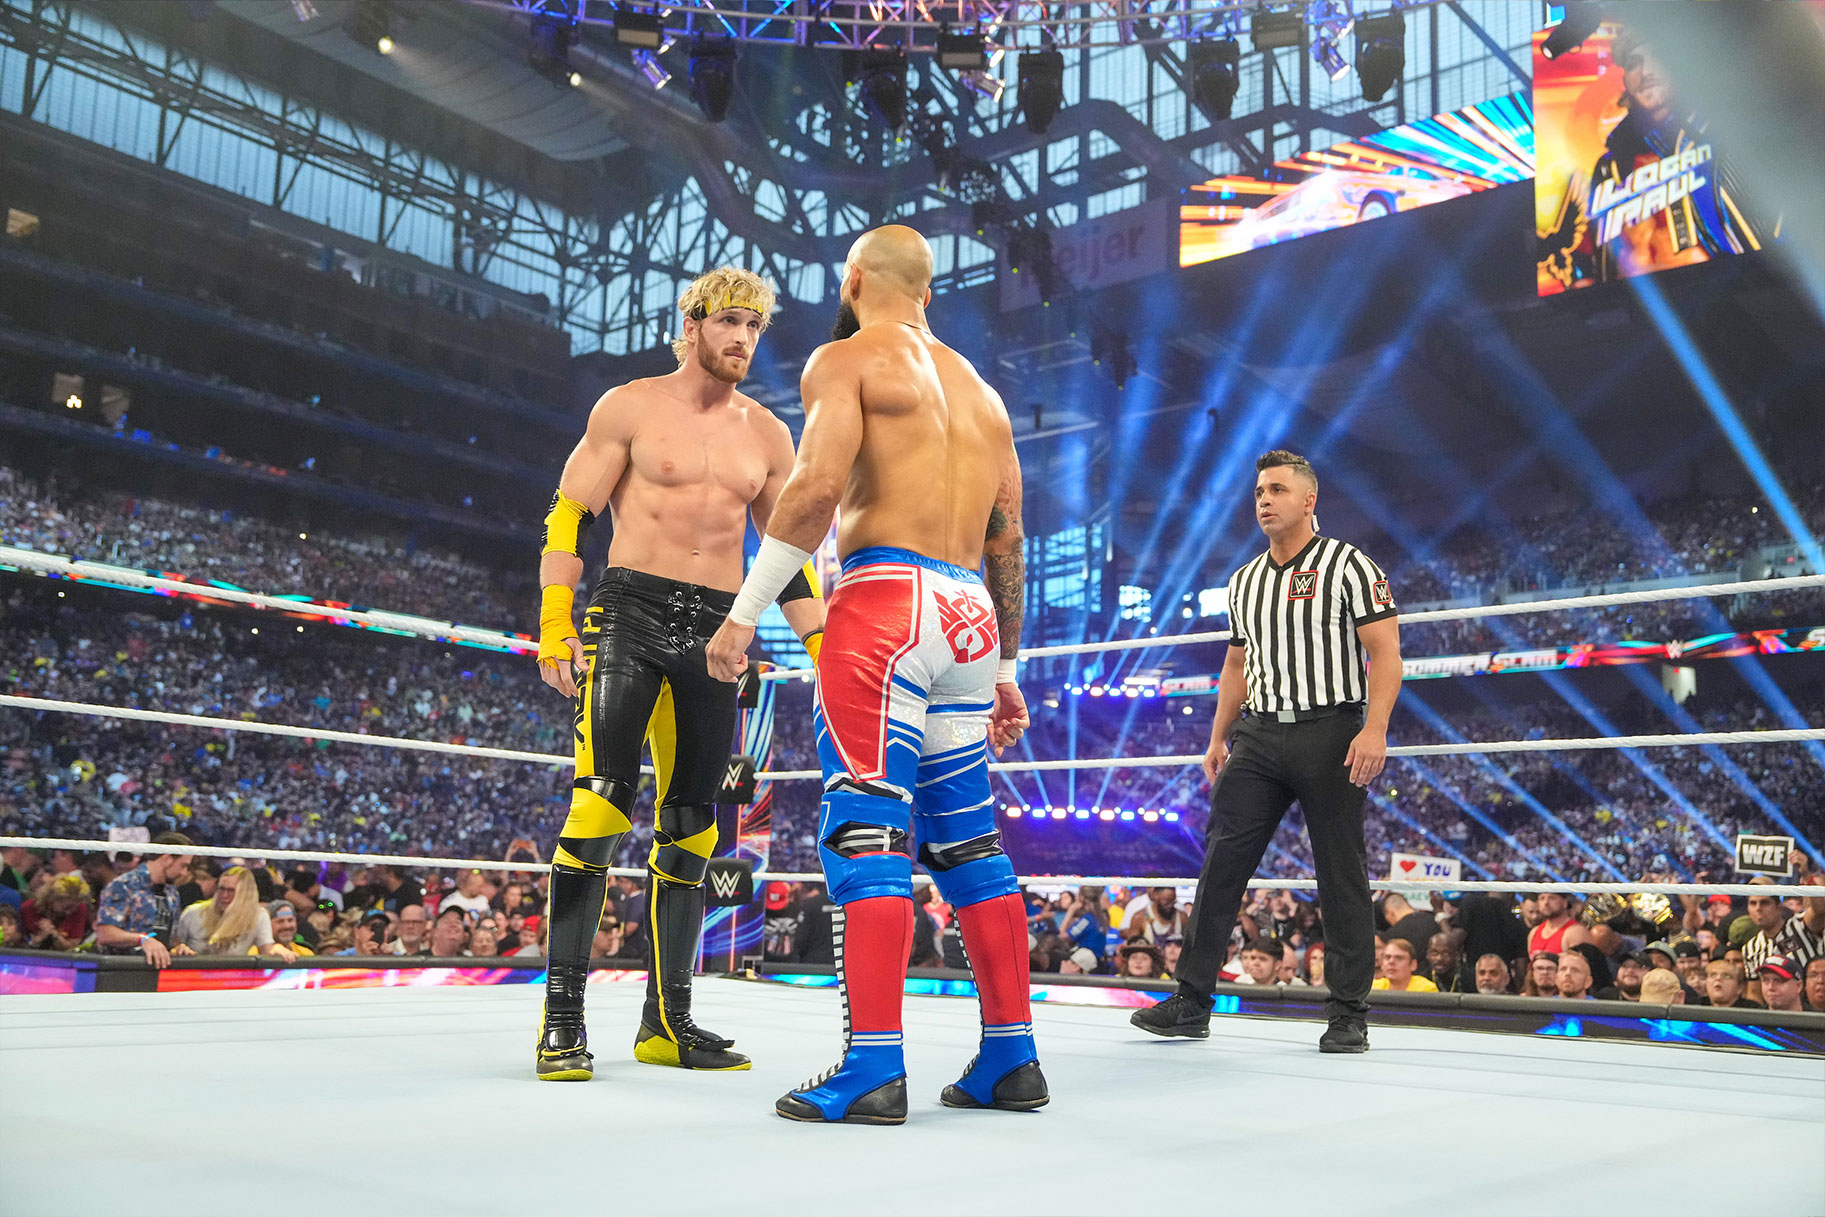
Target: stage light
1013	813
983	84
1083	815
652	69
1127	815
1328	57
883	79
1381	53
1151	817
371	24
1040	90
1331	23
1581	21
1058	813
1107	815
713	76
1270	31
642	31
72	402
1213	72
1096	691
964	52
549	50
1172	817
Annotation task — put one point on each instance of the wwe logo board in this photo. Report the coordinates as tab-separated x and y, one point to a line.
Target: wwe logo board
728	883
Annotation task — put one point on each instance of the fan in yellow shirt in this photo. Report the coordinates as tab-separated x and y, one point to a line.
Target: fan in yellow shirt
1397	965
284	928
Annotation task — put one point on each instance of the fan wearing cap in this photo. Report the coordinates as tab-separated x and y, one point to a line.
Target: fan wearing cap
1781	983
284	928
370	935
682	463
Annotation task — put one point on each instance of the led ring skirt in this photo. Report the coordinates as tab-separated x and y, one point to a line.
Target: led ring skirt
317	1088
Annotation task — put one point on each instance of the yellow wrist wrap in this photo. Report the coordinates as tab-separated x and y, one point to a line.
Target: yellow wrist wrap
556	625
813	643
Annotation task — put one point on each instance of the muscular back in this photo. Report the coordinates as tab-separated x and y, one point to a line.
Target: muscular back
934	445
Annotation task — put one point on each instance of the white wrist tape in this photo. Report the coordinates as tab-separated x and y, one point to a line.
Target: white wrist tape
1004	672
773	568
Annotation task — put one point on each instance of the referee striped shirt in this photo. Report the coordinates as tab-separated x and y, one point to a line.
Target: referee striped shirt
1297	621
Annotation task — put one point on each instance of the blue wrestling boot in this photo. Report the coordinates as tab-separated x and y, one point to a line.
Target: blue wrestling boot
1005	1074
868	1086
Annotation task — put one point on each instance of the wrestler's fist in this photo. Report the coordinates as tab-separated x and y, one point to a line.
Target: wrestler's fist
1008	721
561	673
727	651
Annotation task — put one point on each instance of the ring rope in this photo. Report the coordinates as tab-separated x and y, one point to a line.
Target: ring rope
1695	739
422	627
1397	885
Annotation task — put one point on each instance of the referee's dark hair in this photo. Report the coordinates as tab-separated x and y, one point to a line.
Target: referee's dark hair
1280	458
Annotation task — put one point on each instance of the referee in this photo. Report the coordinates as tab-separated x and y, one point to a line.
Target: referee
1303	616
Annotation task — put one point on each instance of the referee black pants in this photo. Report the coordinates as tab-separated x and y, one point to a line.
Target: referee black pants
1270	765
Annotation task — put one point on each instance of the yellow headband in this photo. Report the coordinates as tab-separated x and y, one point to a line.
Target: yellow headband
736	295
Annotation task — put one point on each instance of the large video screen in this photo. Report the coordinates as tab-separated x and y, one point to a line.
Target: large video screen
1628	181
1409	166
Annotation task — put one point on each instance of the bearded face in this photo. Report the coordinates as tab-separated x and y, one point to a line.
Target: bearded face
845	325
729	369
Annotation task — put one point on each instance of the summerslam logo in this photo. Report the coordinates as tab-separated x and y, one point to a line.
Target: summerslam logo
1648	191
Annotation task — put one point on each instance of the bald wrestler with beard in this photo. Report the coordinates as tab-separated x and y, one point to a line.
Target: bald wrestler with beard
916	678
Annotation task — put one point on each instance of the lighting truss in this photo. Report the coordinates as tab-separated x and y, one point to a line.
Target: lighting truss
917	25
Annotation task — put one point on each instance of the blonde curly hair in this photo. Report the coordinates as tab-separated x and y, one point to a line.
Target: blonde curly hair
724	287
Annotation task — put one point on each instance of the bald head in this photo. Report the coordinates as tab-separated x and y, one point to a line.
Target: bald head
892	260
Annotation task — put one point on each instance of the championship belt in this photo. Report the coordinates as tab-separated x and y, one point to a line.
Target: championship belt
1603	908
1653	908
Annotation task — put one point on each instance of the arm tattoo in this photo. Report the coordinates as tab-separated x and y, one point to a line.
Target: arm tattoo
1006	576
998	522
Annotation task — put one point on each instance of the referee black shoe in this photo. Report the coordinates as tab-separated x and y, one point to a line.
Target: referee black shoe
1347	1033
1178	1015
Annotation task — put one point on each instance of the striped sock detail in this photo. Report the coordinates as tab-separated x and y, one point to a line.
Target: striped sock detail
837	921
1006	1030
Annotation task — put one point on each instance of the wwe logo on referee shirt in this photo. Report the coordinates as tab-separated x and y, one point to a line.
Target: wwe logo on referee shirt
1304	585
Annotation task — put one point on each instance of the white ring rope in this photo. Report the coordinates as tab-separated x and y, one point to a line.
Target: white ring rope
1693	739
1386	885
422	627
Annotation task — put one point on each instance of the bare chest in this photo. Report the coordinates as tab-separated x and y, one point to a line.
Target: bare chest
706	455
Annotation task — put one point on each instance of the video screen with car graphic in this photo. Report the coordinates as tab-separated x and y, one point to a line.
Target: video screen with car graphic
1406	167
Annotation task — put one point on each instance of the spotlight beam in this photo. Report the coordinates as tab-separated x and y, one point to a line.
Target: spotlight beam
1699	374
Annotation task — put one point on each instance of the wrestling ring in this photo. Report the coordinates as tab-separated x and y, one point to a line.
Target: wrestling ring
312	1088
